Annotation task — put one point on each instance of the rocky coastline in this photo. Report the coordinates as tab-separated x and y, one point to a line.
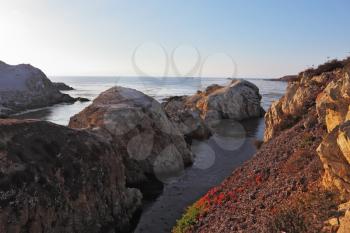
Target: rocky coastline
299	179
195	115
24	87
91	176
88	177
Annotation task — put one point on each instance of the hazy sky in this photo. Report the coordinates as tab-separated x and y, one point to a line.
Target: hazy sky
266	38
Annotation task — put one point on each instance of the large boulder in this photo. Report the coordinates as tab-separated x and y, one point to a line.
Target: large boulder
137	124
187	119
56	179
195	114
24	87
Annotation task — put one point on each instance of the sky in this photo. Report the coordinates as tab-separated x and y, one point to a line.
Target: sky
222	38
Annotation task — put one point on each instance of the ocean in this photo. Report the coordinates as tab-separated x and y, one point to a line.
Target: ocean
159	88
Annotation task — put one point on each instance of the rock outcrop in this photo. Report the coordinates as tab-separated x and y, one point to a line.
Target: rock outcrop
299	99
333	111
301	174
62	86
194	114
24	87
334	153
187	119
56	179
137	124
328	93
333	103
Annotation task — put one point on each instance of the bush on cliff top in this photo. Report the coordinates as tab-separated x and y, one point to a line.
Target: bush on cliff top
328	67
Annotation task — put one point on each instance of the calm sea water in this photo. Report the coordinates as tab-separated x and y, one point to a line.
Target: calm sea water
159	88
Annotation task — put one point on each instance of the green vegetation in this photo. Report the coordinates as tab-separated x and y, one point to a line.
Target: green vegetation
188	219
328	67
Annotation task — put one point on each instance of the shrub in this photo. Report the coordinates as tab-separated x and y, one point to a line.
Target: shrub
187	220
214	198
326	67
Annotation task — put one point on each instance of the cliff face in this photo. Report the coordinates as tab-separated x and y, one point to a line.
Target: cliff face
333	111
301	173
55	179
329	94
300	98
24	87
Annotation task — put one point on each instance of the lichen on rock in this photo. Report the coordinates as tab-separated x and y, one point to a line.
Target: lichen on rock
56	179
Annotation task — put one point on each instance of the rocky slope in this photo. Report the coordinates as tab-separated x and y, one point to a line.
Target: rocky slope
24	87
137	124
300	176
55	179
195	115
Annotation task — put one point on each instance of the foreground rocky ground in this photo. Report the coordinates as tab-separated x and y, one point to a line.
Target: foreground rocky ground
55	179
299	179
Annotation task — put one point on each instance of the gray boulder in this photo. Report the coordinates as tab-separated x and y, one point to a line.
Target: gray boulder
194	115
137	124
24	87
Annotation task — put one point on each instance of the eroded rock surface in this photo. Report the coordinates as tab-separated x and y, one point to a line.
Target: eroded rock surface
55	179
24	87
137	124
300	98
335	157
333	111
333	103
194	114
